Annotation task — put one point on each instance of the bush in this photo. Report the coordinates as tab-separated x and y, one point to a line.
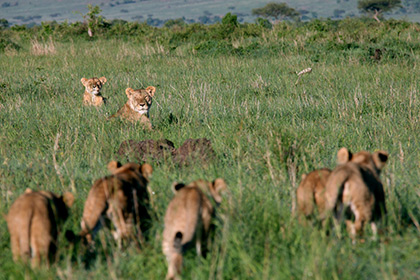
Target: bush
7	43
264	23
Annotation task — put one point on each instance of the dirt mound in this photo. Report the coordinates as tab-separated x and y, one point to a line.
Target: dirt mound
194	150
191	151
147	150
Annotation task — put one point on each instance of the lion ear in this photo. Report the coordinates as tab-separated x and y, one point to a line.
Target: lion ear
151	90
68	199
303	177
380	158
28	190
177	186
129	92
103	80
343	156
84	80
147	170
216	188
113	165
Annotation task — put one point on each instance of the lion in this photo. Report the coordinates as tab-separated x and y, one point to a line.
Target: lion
92	96
355	189
188	219
137	107
311	192
33	222
121	198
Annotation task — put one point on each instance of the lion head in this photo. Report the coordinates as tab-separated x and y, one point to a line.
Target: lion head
140	100
93	85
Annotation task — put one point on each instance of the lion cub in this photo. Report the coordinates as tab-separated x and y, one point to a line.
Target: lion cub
355	188
311	192
92	96
33	222
188	218
121	198
138	106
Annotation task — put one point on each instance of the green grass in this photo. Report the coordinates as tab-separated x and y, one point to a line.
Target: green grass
258	122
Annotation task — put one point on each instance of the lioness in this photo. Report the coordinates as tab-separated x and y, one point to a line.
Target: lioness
92	96
121	198
33	222
138	106
355	188
188	218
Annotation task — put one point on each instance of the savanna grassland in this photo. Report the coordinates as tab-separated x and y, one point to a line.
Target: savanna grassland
235	85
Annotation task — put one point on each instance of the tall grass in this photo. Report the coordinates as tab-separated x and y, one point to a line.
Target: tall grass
265	130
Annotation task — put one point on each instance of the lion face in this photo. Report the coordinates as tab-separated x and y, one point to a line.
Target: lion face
93	85
140	100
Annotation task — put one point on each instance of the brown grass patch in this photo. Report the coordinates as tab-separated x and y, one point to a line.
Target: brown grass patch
43	48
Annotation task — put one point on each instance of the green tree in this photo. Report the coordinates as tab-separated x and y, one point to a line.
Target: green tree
377	7
230	20
92	18
277	11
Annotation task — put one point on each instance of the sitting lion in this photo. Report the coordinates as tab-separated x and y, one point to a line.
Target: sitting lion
137	107
92	96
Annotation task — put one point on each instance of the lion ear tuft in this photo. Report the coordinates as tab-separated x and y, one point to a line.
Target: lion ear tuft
68	199
129	92
343	156
103	80
151	90
113	165
84	80
380	158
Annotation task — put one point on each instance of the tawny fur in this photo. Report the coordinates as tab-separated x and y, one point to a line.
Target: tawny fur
121	198
355	186
137	107
311	192
188	219
92	95
33	222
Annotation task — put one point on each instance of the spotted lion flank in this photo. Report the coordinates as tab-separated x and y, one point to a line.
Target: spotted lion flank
138	106
92	96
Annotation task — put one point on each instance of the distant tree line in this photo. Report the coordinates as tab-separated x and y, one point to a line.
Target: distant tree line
271	12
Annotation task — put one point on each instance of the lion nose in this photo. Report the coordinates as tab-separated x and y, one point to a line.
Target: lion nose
142	104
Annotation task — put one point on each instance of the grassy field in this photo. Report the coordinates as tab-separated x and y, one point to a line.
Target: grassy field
266	132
